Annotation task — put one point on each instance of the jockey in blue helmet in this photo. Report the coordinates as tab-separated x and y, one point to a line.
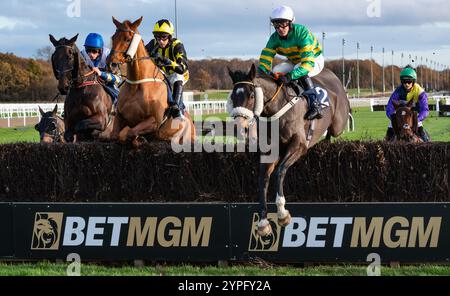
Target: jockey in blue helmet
95	55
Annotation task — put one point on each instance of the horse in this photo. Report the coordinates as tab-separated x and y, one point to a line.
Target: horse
88	107
142	101
405	123
259	97
50	127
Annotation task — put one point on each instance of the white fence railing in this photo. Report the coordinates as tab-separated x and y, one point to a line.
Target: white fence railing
26	114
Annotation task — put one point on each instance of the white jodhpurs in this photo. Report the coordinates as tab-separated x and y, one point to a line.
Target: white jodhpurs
287	67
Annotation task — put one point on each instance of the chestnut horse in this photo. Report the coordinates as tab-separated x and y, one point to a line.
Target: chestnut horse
260	97
143	97
88	107
405	123
50	127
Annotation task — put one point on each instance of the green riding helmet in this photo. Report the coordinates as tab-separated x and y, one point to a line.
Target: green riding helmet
408	73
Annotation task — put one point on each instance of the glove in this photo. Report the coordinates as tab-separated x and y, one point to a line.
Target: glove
160	60
282	79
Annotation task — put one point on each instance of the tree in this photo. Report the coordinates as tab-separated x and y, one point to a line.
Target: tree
44	53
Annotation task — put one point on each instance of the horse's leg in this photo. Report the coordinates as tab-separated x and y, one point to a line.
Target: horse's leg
265	171
295	150
145	127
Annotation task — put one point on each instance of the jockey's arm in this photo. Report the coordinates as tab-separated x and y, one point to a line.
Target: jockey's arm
423	107
180	65
307	58
267	56
110	78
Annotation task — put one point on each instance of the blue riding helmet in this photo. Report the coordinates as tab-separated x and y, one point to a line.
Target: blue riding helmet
94	40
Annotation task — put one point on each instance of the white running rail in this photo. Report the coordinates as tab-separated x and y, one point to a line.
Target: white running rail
26	114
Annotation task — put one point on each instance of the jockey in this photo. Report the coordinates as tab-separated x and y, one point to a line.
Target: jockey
95	55
169	55
303	51
407	91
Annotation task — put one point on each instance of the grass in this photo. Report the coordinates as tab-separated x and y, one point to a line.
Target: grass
43	268
19	134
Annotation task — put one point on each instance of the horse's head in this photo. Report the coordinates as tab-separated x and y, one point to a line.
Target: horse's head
125	42
65	62
405	122
48	128
245	102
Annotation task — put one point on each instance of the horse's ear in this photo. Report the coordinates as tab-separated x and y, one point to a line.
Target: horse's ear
410	104
53	40
231	73
41	111
116	22
55	110
73	40
137	22
252	73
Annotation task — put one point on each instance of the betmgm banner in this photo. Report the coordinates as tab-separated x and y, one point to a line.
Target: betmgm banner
122	231
347	233
207	232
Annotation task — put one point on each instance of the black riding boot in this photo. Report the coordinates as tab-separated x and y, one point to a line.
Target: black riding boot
315	110
423	134
177	100
389	134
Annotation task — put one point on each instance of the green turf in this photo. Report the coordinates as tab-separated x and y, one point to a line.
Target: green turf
20	134
52	269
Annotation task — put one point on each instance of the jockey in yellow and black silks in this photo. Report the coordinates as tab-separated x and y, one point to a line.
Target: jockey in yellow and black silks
304	53
169	55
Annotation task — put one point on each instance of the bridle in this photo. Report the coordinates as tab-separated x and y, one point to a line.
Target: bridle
260	104
54	133
57	71
130	55
73	81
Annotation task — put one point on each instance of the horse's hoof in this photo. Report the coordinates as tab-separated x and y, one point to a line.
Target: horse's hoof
264	231
123	135
283	222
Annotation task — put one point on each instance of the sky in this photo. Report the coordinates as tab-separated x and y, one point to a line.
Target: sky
240	28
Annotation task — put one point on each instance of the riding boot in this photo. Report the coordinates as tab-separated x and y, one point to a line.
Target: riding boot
314	108
177	100
389	134
422	134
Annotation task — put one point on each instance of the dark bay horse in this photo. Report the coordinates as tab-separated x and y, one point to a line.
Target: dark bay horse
253	96
50	127
87	108
143	97
405	123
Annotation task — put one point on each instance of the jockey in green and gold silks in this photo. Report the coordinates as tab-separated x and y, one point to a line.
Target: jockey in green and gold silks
304	53
300	47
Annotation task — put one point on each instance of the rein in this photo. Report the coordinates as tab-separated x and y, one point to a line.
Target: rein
130	59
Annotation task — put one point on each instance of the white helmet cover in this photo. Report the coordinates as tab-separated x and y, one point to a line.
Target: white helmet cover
283	12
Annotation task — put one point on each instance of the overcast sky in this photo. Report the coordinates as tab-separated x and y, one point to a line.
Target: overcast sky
239	28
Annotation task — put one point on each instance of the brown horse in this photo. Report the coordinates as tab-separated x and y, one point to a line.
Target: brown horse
87	108
143	98
260	97
50	127
405	123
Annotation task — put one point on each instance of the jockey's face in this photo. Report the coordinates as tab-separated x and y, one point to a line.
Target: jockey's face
163	40
408	84
93	53
282	28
